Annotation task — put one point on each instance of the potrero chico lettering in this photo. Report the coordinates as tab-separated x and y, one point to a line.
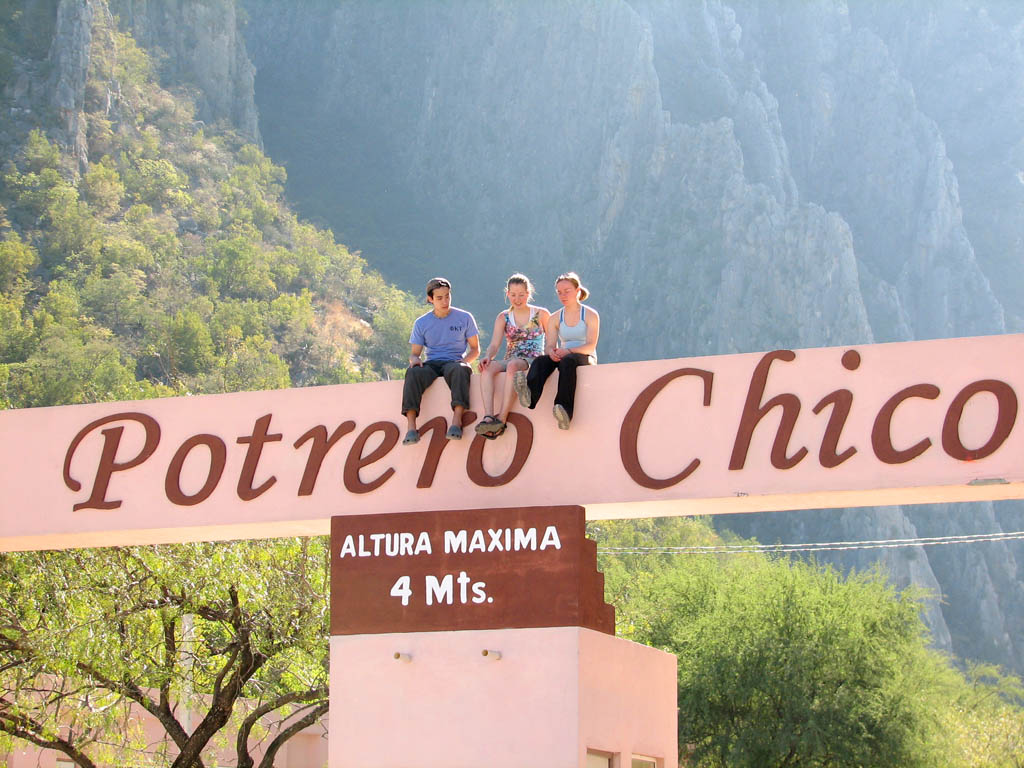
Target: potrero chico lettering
363	453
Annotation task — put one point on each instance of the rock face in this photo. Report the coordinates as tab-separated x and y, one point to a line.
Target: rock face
726	176
201	44
69	60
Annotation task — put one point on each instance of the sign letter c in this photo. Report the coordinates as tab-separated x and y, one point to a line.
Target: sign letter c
630	431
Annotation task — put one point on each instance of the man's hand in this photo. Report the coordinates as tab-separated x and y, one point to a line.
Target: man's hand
414	361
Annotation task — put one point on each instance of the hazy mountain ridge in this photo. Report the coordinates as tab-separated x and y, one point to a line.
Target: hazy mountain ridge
725	176
755	175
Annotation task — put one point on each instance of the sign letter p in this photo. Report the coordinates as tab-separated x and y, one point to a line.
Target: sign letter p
107	465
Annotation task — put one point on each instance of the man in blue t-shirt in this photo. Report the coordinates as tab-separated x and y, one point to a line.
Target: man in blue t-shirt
450	339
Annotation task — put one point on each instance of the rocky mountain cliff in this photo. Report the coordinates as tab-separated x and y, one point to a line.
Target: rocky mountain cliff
726	176
199	43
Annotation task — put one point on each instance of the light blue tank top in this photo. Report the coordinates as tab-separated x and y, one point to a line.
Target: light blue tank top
571	336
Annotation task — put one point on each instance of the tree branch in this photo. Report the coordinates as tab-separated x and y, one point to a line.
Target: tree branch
301	724
246	663
132	691
170	658
244	759
23	727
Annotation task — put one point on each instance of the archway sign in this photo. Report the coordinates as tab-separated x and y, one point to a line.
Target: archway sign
913	422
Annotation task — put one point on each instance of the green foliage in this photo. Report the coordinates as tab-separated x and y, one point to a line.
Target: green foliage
221	629
783	663
155	182
985	719
393	317
172	264
780	660
102	188
240	268
115	300
46	205
251	365
17	260
253	191
186	347
39	154
119	70
67	368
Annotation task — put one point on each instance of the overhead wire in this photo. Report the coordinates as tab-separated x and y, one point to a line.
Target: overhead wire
922	541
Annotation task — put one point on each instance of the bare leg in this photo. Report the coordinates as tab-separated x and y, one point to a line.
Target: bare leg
506	393
457	412
410	416
487	387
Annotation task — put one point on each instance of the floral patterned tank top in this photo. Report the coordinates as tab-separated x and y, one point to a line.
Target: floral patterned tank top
526	342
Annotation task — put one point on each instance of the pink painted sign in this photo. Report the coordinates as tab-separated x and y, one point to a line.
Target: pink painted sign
913	422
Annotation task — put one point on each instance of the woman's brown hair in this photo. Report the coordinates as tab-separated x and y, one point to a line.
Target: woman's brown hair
573	278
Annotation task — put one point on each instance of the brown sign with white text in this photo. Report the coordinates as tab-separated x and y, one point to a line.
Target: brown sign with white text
468	569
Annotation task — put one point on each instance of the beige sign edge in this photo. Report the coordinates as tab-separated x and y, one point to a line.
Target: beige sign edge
983	491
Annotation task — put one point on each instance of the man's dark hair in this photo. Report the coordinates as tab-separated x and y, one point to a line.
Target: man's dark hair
436	282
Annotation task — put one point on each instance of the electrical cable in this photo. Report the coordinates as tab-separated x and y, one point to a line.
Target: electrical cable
725	549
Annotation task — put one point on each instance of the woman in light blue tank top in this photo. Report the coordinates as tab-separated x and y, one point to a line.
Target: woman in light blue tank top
571	341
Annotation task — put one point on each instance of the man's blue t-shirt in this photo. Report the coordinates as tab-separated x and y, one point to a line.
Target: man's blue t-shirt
444	338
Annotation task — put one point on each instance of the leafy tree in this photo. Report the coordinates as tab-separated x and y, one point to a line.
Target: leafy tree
68	368
241	269
155	182
72	233
234	319
32	194
986	719
102	188
235	633
252	193
250	366
782	663
15	334
186	346
17	259
116	301
393	317
39	154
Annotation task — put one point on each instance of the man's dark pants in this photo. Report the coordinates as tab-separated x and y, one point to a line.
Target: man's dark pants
418	378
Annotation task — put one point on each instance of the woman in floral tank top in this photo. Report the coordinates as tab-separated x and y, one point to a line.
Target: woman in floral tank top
522	326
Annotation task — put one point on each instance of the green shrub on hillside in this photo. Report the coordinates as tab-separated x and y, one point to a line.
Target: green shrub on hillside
172	264
784	663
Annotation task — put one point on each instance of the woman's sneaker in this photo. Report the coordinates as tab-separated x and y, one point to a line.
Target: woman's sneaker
521	388
489	425
561	416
